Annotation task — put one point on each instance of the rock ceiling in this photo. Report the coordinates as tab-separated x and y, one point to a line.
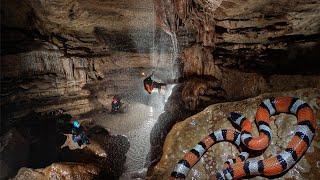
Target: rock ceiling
85	51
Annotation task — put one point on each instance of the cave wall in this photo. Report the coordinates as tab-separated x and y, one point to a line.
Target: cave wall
74	55
77	54
273	37
242	48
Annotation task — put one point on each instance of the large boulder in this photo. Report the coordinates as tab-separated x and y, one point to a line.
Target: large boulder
184	135
60	171
93	147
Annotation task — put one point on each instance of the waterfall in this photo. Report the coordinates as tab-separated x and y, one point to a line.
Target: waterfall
163	53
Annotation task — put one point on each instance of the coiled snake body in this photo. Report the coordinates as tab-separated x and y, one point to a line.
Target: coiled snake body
241	167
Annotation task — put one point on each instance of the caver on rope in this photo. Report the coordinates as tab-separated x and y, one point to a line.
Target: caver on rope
275	165
149	84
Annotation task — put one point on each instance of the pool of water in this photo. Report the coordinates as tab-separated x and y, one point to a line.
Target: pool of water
136	124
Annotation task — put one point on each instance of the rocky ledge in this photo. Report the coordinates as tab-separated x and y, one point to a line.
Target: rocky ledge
184	135
40	149
60	171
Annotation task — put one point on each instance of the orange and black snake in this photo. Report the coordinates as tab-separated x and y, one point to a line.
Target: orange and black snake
241	166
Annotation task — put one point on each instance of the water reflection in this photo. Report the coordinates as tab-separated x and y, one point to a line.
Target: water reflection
136	125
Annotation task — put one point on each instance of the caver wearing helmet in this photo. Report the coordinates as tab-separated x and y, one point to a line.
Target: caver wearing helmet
78	134
150	84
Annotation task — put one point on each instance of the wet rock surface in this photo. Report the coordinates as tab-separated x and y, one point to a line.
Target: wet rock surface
60	171
184	135
174	111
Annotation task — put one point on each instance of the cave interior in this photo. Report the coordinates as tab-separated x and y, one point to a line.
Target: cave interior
214	57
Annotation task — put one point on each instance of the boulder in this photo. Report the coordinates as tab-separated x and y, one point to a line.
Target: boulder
184	135
93	147
60	171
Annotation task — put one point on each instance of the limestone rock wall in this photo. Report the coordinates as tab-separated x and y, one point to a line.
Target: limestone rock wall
242	48
223	84
248	33
86	51
73	55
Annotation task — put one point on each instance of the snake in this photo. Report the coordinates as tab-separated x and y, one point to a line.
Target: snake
244	167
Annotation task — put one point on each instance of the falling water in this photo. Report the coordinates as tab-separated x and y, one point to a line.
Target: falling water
138	122
174	53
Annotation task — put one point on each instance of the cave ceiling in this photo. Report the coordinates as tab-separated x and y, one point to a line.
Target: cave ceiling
57	47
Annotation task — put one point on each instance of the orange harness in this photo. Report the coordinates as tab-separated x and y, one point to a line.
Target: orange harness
148	88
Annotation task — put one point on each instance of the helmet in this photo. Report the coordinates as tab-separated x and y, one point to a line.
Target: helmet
76	124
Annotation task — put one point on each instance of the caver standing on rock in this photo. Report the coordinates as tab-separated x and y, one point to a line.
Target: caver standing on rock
78	133
71	128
